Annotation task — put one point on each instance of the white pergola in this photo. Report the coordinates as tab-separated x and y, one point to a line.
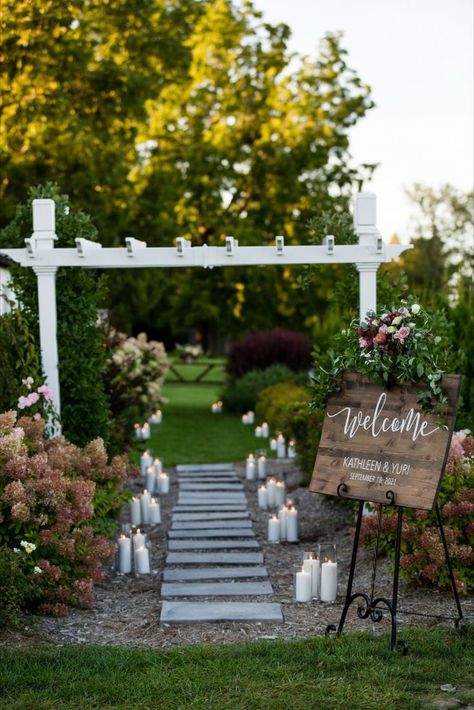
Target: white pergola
41	255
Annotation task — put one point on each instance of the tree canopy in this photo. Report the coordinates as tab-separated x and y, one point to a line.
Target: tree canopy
183	118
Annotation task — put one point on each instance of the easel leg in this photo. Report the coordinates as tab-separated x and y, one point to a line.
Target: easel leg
450	569
396	576
350	581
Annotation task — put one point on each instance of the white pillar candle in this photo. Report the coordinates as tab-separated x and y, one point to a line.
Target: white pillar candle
135	512
265	430
138	431
273	444
262	497
146	431
245	419
125	554
142	560
280	492
303	586
311	565
262	467
144	502
158	416
281	448
250	468
271	485
154	512
145	461
158	465
139	539
150	480
291	449
273	529
328	589
292	525
258	432
250	417
164	484
282	513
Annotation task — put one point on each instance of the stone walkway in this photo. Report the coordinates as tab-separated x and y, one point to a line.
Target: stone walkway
213	553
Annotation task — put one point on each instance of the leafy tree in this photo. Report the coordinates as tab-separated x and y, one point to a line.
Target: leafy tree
180	119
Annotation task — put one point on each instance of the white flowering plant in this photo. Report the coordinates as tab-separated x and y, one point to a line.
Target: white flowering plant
395	345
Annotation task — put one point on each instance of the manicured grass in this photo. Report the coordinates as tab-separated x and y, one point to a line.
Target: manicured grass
351	673
190	372
190	433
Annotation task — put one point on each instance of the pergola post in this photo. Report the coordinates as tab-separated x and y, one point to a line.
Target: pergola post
42	239
365	220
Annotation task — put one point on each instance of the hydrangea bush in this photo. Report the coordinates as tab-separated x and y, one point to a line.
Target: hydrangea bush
55	500
134	376
423	558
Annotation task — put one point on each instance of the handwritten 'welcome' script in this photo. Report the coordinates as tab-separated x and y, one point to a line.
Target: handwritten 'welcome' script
376	424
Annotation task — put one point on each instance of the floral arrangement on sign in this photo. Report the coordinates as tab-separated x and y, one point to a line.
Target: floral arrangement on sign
55	501
396	345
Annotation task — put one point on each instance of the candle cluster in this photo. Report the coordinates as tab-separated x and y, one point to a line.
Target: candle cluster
157	481
133	553
278	444
248	418
216	407
262	431
145	510
283	526
256	467
156	417
316	576
142	432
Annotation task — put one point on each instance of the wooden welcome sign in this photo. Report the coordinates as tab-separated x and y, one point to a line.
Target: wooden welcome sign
376	440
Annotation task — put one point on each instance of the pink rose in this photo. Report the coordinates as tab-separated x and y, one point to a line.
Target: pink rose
23	402
401	334
404	312
46	392
363	342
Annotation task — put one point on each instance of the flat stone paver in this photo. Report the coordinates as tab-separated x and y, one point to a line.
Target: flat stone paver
213	495
214	558
205	612
209	524
211	508
198	486
194	517
184	467
215	589
212	544
208	478
221	532
220	500
186	573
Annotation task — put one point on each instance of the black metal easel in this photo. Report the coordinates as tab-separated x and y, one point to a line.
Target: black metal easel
370	604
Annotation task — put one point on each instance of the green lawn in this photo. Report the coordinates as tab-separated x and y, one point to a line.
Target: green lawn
190	433
351	673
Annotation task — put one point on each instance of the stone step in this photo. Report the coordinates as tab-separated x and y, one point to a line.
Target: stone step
221	532
182	468
193	573
214	558
207	477
234	487
194	517
209	524
213	495
215	589
221	500
212	612
211	508
212	544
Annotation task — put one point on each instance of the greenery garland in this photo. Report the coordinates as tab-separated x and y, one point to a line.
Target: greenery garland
398	344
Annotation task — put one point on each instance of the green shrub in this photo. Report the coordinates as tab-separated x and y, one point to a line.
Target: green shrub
241	394
423	558
84	411
304	425
17	590
276	402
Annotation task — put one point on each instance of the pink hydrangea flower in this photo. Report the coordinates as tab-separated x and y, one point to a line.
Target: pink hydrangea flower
23	402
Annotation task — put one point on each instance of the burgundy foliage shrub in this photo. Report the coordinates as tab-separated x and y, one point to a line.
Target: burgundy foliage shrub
257	351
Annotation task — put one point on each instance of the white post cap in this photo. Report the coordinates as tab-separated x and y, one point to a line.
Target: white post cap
44	216
365	210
